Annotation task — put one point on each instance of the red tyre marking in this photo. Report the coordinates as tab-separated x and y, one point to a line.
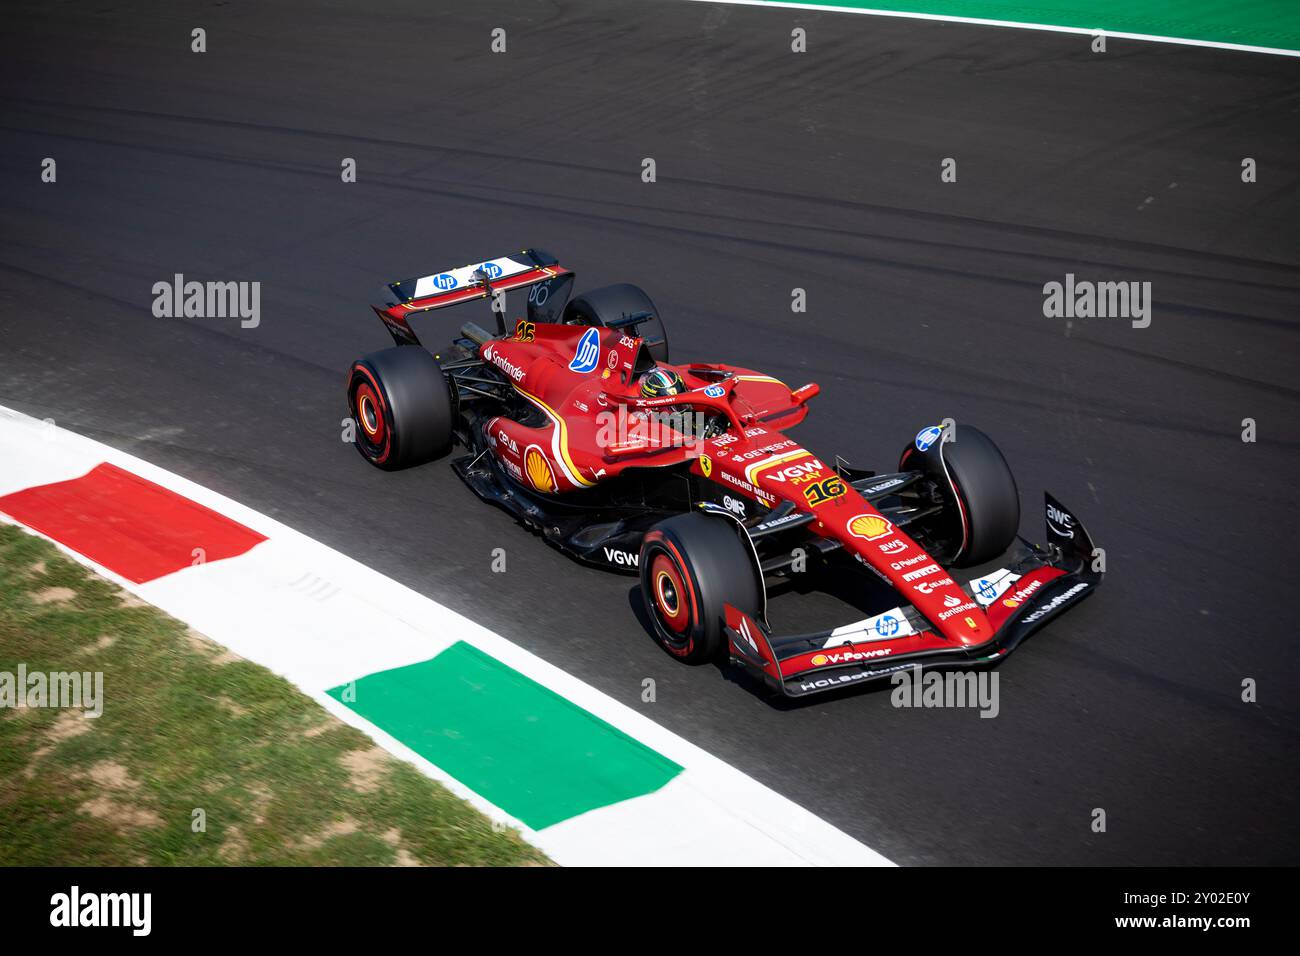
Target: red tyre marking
368	413
684	569
376	393
669	594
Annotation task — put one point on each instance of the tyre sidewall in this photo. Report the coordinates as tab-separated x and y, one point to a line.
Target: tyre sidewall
981	490
416	404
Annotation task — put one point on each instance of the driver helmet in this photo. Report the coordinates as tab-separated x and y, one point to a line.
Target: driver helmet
660	382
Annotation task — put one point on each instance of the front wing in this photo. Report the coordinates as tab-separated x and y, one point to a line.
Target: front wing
1017	601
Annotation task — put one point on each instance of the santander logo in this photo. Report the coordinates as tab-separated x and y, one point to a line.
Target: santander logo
503	363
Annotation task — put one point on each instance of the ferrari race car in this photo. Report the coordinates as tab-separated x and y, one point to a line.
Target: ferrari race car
573	420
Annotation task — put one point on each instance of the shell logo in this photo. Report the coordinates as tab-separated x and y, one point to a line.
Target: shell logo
538	470
870	527
819	660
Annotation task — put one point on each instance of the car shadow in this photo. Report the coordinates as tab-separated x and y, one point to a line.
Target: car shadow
747	680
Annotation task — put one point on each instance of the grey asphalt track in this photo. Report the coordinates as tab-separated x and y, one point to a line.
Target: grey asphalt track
819	171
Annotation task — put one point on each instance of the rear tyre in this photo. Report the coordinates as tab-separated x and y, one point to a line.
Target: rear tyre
691	566
612	302
982	517
402	407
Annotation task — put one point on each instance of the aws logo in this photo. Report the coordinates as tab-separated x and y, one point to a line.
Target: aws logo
538	470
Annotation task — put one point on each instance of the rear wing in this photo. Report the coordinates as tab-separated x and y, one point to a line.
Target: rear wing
549	284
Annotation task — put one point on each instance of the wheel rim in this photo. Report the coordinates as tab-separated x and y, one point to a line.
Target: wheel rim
368	411
668	592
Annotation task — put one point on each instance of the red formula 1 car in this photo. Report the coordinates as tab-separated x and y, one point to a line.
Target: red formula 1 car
574	421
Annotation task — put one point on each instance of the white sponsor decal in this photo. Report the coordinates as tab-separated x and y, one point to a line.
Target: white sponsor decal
1018	598
922	572
745	633
883	627
882	486
929	587
726	476
959	609
509	442
793	472
625	558
851	656
832	680
777	522
500	361
1060	522
464	276
1055	602
989	588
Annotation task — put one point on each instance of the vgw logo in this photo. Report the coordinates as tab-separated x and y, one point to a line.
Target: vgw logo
587	354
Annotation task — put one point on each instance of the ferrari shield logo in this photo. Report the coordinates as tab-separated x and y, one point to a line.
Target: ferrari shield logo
706	465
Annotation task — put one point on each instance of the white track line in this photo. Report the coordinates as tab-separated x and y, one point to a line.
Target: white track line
978	21
321	619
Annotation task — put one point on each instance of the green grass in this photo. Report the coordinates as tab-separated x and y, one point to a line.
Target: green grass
1268	23
185	727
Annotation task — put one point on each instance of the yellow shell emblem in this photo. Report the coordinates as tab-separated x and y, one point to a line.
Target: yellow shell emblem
706	465
538	470
870	527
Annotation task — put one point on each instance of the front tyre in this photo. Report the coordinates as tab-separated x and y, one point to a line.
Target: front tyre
402	407
691	566
981	515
